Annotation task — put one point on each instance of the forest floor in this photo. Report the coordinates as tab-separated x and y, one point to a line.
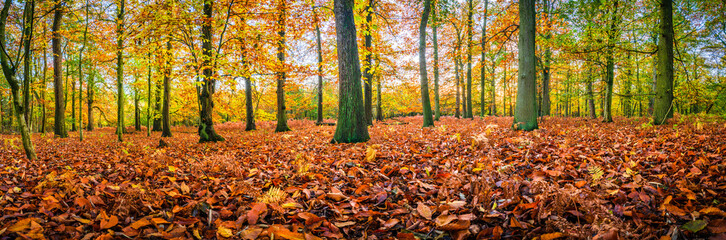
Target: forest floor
463	179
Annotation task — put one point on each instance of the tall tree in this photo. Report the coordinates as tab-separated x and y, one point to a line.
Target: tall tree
482	68
663	108
148	94
434	28
428	120
351	126
27	61
319	44
545	106
59	128
206	126
44	86
281	74
246	74
80	73
165	118
469	45
525	115
612	33
10	70
120	68
367	70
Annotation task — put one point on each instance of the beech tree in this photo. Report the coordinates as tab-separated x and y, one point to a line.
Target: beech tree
525	115
351	126
663	108
428	120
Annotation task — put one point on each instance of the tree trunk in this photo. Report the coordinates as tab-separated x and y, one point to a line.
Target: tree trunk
27	58
493	88
525	116
73	97
367	71
165	118
89	100
482	103
351	126
281	71
148	94
379	110
120	70
206	126
80	75
59	128
137	111
319	44
469	44
44	86
663	108
428	120
435	25
10	71
610	65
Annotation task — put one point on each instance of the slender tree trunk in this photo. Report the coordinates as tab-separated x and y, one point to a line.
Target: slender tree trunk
206	127
428	120
148	92
73	97
281	74
89	100
249	109
610	65
664	92
469	44
165	118
80	75
525	116
379	109
545	111
319	44
434	26
137	111
27	58
44	86
351	126
482	103
59	128
457	79
493	89
120	69
367	71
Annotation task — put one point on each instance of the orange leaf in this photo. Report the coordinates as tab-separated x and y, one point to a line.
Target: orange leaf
551	236
424	211
109	223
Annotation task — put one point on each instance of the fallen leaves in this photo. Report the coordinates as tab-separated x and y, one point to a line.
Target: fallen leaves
571	179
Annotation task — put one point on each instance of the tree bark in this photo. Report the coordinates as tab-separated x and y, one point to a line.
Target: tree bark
437	98
59	128
165	118
525	115
482	103
80	75
428	120
27	58
319	44
610	65
663	108
351	126
206	126
469	44
367	70
281	71
120	69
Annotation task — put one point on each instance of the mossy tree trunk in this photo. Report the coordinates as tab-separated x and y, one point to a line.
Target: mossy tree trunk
281	72
165	118
351	126
663	108
206	126
428	120
59	128
525	115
